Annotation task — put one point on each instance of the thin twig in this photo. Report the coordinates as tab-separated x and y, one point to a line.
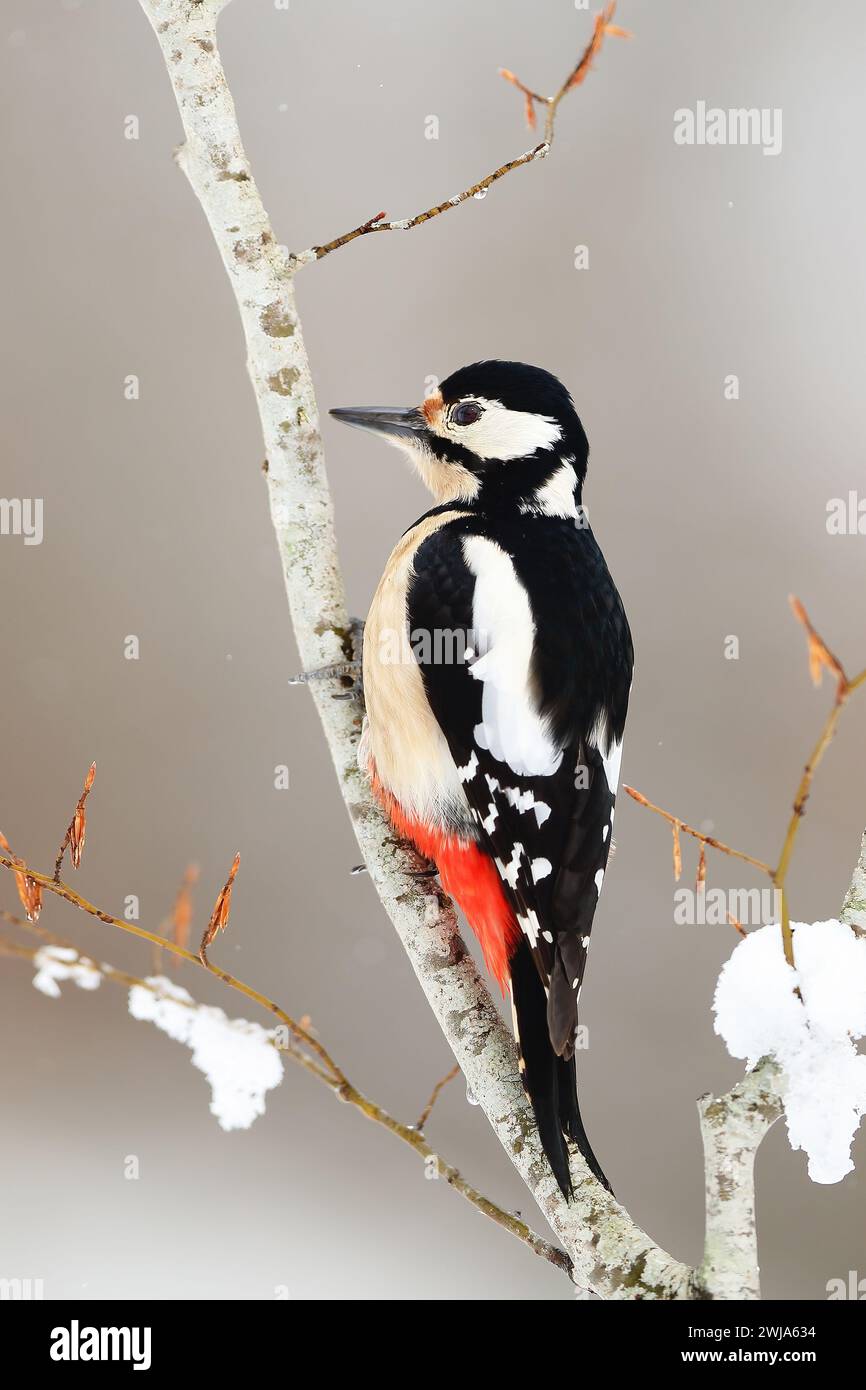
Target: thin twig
820	659
601	29
434	1096
63	890
378	223
681	826
333	1076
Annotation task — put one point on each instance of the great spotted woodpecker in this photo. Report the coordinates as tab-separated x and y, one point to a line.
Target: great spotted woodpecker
497	666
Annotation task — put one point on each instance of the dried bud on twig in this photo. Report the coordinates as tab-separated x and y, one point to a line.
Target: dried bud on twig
678	853
603	28
220	916
75	836
530	97
181	915
820	656
702	868
29	891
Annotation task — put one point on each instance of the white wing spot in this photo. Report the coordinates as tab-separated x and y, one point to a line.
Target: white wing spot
513	868
599	879
612	762
468	772
540	869
530	926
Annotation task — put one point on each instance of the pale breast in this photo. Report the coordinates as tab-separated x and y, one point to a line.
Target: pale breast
403	739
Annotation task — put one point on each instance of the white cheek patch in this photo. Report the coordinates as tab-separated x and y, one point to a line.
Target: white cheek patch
511	727
505	434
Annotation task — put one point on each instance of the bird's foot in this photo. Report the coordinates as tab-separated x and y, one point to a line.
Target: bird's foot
349	672
432	872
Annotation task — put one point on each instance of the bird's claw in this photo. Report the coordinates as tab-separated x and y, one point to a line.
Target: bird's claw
349	670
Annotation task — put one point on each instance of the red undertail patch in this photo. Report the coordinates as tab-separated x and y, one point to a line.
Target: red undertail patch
470	877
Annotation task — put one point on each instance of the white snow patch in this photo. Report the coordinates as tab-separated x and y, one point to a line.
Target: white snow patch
238	1058
57	963
757	1013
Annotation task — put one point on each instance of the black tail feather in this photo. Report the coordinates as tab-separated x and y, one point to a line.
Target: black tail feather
550	1081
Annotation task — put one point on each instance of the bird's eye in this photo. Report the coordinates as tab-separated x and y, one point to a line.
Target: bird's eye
466	413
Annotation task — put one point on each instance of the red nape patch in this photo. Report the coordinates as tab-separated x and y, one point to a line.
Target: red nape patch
469	876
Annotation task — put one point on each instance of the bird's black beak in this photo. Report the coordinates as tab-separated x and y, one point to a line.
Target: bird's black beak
395	423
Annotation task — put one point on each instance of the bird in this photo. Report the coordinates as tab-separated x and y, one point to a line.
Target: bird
497	667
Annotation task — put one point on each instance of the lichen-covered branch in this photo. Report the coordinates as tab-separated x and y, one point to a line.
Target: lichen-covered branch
609	1253
854	907
732	1128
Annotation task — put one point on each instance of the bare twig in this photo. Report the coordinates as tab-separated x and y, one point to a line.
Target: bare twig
379	223
63	890
820	659
434	1096
681	826
329	1072
602	28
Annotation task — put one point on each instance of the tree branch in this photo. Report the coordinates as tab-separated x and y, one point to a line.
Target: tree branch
854	907
732	1129
609	1252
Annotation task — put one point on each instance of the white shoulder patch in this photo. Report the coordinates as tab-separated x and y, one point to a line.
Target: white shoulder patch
511	727
556	496
612	760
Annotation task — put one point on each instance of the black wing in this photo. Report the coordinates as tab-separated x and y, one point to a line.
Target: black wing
548	828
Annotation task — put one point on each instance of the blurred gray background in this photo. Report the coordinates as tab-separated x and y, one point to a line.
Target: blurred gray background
703	262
